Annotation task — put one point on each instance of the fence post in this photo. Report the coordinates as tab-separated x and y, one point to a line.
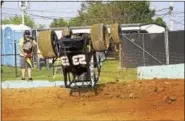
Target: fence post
143	45
37	54
166	46
120	56
15	56
53	66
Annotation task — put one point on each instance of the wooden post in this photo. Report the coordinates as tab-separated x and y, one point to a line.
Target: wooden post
120	56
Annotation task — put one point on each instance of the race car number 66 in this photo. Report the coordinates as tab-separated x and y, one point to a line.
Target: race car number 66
79	59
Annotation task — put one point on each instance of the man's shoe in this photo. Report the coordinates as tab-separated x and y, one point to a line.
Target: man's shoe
22	78
30	79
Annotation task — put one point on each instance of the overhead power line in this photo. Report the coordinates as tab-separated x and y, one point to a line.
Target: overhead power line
36	16
9	14
162	9
46	11
48	17
39	16
75	11
178	12
178	22
164	14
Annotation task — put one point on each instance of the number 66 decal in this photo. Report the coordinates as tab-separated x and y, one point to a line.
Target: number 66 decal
79	59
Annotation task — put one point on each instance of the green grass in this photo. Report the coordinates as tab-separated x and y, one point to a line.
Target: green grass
109	73
45	74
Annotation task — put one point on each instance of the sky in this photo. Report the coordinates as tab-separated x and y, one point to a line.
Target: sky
68	10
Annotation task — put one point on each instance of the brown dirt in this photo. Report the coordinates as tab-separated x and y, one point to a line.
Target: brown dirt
138	100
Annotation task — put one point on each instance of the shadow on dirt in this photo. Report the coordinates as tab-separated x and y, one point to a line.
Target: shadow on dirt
88	91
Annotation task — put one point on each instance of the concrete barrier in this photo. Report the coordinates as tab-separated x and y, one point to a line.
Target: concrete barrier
30	84
175	71
34	84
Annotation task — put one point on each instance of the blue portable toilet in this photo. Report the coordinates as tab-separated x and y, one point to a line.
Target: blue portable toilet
11	36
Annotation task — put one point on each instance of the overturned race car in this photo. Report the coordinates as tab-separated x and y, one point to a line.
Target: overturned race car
81	54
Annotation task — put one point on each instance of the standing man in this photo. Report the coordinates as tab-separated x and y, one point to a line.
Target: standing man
27	45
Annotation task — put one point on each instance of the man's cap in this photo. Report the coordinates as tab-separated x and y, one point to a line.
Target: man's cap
26	32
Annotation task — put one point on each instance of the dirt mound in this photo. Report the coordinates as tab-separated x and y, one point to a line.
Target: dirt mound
136	100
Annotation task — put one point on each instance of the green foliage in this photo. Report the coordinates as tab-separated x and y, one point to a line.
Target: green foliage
59	23
111	12
160	21
18	20
78	21
40	26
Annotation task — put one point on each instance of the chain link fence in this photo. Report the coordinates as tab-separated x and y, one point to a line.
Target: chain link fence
146	49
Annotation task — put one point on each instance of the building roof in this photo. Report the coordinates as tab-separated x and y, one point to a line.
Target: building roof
150	27
16	27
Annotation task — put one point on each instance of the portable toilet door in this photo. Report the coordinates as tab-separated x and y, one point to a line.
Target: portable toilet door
8	46
17	36
2	48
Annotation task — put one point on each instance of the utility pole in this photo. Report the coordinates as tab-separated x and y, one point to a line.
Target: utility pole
23	6
171	16
167	34
2	1
167	47
22	17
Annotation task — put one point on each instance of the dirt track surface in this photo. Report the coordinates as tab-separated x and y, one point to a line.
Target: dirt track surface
137	100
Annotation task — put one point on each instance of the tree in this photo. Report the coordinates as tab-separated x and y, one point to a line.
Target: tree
40	26
111	12
18	20
160	21
59	23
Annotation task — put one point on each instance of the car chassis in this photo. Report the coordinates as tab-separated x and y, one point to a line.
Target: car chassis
81	65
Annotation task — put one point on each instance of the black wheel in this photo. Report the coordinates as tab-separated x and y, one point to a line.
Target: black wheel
55	45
